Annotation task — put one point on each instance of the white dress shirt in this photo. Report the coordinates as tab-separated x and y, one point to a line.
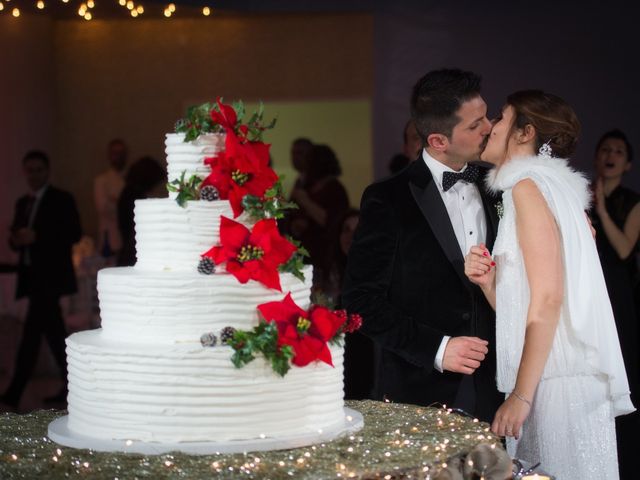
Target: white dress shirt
464	206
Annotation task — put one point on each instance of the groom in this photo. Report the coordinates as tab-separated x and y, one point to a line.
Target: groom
405	271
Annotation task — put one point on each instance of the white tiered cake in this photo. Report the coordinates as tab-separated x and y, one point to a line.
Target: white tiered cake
145	377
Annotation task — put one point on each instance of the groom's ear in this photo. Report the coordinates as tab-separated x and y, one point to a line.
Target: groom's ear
438	142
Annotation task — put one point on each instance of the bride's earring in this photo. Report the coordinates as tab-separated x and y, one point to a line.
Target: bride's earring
545	150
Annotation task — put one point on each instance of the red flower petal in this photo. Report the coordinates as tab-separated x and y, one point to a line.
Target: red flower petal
309	349
268	276
235	199
233	235
226	116
218	255
325	355
237	270
324	323
282	311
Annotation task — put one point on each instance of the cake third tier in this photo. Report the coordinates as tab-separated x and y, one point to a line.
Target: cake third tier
174	307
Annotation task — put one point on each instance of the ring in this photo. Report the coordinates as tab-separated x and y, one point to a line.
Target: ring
509	432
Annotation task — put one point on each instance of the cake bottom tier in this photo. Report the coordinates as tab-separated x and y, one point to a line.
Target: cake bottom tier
187	393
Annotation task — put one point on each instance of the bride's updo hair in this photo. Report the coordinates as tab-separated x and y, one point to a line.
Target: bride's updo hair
554	120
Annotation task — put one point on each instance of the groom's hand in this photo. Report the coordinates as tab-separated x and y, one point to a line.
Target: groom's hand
464	354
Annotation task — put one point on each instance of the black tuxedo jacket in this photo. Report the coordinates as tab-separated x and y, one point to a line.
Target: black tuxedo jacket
57	228
405	276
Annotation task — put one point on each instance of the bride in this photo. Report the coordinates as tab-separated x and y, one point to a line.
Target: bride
558	355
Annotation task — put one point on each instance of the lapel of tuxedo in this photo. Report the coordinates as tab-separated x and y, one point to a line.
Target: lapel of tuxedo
425	193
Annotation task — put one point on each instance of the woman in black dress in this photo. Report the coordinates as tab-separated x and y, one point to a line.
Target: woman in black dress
616	218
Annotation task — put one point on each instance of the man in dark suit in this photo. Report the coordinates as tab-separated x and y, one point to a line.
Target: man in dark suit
45	226
405	271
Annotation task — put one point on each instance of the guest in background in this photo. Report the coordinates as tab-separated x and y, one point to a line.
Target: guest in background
411	148
145	179
359	356
321	203
329	275
107	188
616	218
412	143
45	226
300	149
398	162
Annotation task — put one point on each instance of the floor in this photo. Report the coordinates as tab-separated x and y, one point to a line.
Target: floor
45	381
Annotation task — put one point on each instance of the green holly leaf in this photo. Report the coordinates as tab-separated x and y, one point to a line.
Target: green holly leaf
261	340
186	189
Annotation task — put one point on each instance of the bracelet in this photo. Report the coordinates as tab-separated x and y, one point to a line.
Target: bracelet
520	397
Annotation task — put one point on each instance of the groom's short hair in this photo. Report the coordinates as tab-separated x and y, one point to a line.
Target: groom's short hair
438	96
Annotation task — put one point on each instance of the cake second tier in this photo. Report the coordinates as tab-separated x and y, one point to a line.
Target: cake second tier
173	307
171	237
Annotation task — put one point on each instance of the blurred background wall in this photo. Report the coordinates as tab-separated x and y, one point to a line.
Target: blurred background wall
337	72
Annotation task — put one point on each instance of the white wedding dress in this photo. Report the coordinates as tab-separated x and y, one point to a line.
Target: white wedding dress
571	427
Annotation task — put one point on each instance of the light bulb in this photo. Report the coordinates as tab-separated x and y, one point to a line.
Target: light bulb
87	16
206	11
40	4
140	9
130	5
15	12
172	7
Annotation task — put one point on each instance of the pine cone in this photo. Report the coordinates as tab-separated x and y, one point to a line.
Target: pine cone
209	193
226	335
208	340
206	266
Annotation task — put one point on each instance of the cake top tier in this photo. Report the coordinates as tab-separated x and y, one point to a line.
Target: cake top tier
187	157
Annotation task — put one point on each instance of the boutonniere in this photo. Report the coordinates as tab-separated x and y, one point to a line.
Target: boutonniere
499	209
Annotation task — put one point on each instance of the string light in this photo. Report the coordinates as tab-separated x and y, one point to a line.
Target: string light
85	8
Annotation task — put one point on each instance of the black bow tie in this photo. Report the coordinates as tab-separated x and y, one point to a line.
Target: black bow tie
470	175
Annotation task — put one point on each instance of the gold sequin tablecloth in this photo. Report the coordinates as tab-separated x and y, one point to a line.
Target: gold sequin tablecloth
398	441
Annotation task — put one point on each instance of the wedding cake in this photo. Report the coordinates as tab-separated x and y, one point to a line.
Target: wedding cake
173	361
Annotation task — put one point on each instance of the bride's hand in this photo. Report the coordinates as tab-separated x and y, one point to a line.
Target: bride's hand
479	267
510	417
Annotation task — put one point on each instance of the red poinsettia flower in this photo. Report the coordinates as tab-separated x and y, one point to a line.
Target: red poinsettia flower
226	117
241	169
252	254
306	332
